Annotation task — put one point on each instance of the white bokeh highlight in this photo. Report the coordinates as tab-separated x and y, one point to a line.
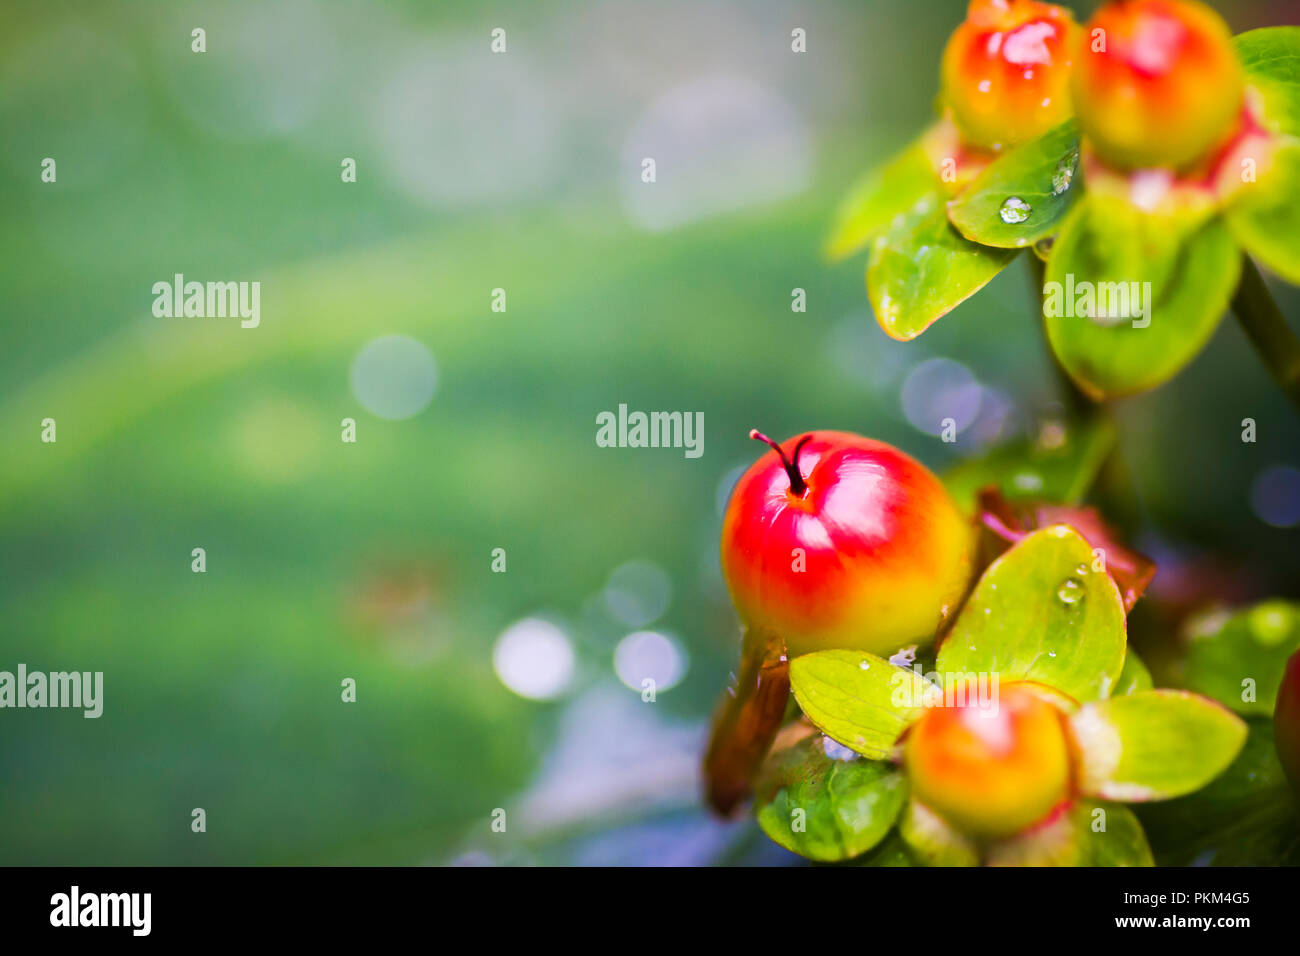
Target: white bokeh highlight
394	377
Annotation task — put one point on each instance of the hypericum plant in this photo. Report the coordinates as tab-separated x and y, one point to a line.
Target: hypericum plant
1021	746
1183	151
841	552
841	542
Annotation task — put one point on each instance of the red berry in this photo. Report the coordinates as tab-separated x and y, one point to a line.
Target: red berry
1286	721
990	768
844	542
1157	83
1006	71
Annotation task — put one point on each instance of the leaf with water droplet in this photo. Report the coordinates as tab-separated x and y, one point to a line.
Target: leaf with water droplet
1030	619
865	709
921	268
1023	195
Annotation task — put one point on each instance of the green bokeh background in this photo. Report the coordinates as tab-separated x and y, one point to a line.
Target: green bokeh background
372	561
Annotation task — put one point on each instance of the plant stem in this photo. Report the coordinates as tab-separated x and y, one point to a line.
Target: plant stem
1262	321
1076	404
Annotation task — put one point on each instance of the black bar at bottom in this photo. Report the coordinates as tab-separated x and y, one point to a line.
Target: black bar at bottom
617	907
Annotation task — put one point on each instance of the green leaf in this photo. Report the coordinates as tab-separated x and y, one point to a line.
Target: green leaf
1033	185
1134	677
932	840
1040	613
1238	659
1265	214
921	268
885	193
1271	57
828	809
1245	816
858	699
891	851
1088	833
1060	466
1177	280
1154	744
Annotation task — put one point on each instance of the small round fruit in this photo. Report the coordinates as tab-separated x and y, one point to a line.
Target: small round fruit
1006	71
1157	83
990	770
1286	721
844	543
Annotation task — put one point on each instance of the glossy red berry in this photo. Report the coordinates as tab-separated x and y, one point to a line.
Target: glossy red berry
1006	71
1157	83
839	541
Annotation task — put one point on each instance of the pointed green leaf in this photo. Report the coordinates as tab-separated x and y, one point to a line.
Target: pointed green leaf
1040	613
1088	833
1164	290
1271	57
828	807
1238	659
858	699
1154	744
885	193
1024	194
1265	214
1134	677
921	268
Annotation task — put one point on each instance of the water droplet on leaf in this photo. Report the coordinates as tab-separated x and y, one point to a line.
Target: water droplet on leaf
1071	591
1064	173
1014	210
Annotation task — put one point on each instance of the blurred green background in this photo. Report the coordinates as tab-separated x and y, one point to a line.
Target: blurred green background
373	560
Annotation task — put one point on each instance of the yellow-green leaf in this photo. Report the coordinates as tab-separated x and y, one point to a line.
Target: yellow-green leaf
1265	214
858	699
1154	744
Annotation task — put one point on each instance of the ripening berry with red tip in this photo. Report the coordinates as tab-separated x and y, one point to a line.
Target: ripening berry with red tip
1157	83
838	541
1006	71
1286	721
991	767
